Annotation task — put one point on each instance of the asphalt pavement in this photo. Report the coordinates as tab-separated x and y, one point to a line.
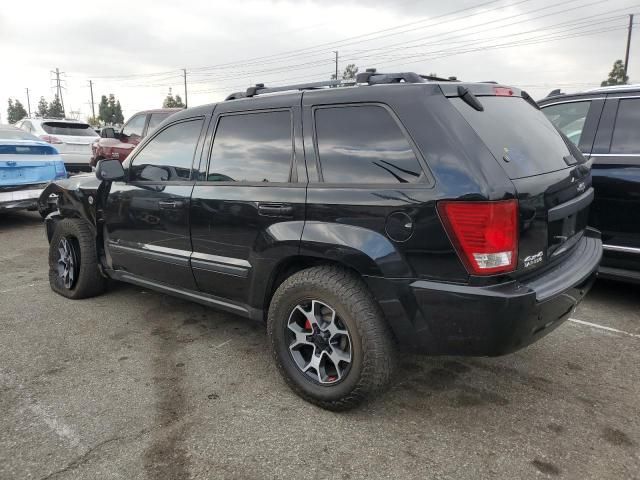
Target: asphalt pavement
138	385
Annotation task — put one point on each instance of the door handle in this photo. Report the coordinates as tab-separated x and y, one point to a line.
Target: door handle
171	204
275	209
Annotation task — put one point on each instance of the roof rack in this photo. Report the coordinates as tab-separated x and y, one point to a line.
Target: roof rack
260	89
370	77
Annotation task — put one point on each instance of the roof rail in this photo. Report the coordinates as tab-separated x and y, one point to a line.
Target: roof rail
370	77
259	88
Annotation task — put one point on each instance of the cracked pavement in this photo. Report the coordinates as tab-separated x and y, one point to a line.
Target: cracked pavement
137	385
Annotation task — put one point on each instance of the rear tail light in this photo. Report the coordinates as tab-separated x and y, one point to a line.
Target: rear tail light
51	139
485	234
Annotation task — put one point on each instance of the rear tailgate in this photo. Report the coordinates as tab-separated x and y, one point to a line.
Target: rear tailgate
551	178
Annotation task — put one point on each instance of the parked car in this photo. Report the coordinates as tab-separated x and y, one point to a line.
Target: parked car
119	144
398	213
605	125
71	138
27	164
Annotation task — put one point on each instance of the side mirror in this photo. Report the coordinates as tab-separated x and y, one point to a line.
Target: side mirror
109	170
108	132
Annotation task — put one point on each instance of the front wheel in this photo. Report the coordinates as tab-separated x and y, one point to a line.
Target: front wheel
73	261
329	338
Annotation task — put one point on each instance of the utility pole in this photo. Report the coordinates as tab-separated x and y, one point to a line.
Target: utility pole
186	102
626	55
93	108
28	103
59	89
336	52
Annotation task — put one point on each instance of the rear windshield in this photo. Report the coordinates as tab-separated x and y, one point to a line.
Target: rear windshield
522	138
15	134
72	129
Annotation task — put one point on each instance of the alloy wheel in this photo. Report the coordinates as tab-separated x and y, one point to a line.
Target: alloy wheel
319	342
67	263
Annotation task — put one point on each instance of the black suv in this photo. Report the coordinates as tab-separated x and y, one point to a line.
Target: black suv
399	212
605	125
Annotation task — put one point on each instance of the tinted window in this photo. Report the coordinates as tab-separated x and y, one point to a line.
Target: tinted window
71	129
520	137
169	155
626	133
155	120
15	134
254	147
363	144
569	118
135	126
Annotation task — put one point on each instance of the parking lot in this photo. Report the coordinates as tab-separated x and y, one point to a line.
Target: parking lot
135	384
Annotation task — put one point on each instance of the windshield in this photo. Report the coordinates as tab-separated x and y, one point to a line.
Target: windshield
68	128
521	137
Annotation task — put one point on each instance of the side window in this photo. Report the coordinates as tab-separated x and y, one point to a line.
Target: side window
155	120
135	126
626	132
169	155
569	118
253	147
363	144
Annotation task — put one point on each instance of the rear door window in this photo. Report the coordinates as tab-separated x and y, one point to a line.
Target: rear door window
135	126
626	132
68	128
155	120
520	137
364	145
254	147
569	118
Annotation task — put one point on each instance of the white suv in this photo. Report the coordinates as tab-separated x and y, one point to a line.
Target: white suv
71	138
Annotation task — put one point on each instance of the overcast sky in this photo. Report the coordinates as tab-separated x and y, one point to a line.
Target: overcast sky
136	49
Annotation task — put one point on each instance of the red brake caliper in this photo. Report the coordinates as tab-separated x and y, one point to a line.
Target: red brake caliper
307	325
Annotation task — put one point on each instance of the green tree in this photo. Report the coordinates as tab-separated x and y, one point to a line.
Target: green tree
110	110
349	73
55	109
15	111
616	75
42	107
172	102
103	110
117	113
93	121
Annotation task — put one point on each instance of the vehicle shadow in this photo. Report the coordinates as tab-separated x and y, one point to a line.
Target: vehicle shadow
18	218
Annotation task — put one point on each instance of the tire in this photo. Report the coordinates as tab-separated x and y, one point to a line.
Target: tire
73	240
368	341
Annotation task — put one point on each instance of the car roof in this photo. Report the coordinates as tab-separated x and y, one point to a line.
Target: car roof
558	95
158	110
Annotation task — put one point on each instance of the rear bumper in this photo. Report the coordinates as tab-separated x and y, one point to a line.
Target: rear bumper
22	198
447	319
77	162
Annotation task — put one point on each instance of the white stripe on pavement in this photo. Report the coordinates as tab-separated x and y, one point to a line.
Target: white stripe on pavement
602	327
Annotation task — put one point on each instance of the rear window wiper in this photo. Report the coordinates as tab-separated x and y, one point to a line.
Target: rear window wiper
470	99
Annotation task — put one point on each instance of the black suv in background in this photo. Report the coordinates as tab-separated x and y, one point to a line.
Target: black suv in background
399	212
605	125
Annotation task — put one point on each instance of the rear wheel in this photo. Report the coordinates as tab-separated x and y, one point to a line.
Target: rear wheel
329	338
73	261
